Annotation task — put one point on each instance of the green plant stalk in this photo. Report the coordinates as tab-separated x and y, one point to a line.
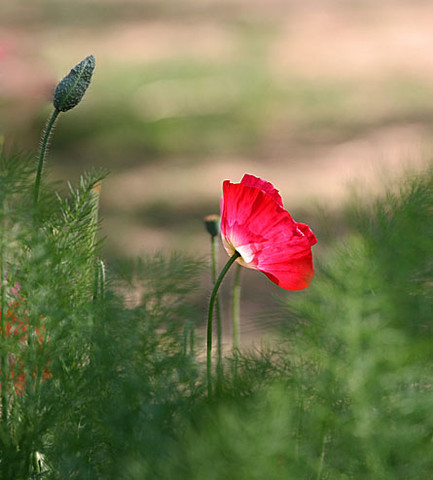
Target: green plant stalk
191	341
101	279
3	307
217	310
300	402
322	457
213	296
4	355
236	299
188	339
44	145
236	309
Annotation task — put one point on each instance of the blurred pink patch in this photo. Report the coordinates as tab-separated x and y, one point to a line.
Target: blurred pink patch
255	224
15	290
25	81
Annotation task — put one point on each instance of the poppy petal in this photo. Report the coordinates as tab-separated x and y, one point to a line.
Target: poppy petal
289	266
263	185
255	224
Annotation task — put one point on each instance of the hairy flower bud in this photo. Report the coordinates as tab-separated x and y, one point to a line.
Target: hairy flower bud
71	89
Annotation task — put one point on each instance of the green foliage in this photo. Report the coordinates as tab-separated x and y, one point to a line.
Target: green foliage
136	387
348	395
48	256
366	324
102	378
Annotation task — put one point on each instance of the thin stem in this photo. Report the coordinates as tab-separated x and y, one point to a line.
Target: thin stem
185	339
217	310
236	296
3	313
299	428
101	278
213	296
236	308
4	360
322	457
44	146
191	341
188	338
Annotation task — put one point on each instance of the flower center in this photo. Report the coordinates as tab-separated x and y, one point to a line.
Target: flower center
246	256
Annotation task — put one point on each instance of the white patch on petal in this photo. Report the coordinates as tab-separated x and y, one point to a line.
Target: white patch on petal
230	249
247	254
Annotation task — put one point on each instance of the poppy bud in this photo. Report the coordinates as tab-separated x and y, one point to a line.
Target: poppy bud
212	224
71	89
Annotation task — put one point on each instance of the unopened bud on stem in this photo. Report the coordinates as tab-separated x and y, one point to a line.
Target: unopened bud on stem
71	89
68	94
212	224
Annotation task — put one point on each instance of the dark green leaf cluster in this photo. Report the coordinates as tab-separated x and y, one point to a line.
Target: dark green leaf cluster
366	325
136	390
348	395
109	369
114	376
47	271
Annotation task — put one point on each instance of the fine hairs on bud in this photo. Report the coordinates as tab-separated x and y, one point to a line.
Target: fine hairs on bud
71	89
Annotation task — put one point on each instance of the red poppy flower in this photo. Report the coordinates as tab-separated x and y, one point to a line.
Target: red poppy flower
255	224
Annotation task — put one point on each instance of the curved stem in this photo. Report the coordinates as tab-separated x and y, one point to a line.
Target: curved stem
44	146
213	296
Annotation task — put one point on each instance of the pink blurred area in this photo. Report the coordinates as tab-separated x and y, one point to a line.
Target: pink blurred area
26	82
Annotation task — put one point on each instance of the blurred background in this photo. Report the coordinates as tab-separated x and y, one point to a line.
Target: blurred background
314	96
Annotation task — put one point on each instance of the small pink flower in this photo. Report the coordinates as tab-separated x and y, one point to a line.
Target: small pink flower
255	224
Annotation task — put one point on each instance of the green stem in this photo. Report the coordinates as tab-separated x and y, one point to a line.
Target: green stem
217	310
3	313
213	296
236	316
188	338
191	341
101	278
44	145
236	309
322	457
185	339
